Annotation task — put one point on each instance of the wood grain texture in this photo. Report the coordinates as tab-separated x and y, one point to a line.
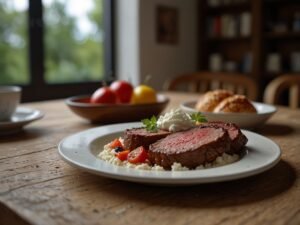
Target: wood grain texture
37	187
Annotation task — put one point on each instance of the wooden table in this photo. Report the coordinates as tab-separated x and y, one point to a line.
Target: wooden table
37	187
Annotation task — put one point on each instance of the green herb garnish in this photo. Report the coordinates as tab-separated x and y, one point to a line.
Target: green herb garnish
151	124
198	117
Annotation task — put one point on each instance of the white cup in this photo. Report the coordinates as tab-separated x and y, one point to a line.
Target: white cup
9	100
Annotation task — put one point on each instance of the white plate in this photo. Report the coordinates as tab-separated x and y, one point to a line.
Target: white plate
81	150
20	118
244	120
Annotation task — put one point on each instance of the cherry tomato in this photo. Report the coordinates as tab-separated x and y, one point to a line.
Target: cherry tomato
115	143
123	90
138	155
123	155
104	95
143	94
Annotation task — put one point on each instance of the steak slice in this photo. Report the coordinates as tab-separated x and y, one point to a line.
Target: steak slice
190	148
136	137
238	139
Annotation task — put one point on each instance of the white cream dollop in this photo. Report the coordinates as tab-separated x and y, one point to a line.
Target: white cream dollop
175	120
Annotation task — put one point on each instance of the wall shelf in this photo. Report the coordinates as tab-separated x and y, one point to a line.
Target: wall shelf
228	39
282	35
232	8
266	17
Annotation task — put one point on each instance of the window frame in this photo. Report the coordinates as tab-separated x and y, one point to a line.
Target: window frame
38	89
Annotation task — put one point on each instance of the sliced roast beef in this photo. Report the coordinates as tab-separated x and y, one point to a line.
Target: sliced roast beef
190	148
136	137
238	139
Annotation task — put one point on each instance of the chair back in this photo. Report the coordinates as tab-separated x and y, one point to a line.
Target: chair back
206	81
275	89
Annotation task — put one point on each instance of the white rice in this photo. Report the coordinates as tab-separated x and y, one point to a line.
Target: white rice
108	155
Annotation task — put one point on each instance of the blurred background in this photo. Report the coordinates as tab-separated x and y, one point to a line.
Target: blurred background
50	43
73	41
59	48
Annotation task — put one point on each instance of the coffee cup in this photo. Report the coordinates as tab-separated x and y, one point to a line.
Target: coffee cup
9	99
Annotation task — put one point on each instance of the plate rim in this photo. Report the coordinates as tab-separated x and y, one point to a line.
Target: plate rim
70	102
273	109
164	176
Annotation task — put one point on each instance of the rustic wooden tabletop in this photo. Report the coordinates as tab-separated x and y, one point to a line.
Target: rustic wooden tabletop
38	187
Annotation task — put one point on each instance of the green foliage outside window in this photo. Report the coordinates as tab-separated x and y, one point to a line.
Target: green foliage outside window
13	45
71	55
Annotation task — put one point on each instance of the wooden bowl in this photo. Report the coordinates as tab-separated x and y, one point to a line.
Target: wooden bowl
115	113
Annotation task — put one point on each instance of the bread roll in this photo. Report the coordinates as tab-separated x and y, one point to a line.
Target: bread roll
236	104
211	99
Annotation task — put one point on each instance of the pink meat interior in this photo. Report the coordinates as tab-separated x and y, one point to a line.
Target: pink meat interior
190	139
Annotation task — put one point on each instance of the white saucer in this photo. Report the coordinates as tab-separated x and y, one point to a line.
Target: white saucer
20	118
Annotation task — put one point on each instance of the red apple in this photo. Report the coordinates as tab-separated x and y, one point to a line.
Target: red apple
123	90
104	95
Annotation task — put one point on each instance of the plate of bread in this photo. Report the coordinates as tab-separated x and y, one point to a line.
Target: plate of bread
223	105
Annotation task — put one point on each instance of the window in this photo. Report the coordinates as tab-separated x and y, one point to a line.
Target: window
13	42
61	50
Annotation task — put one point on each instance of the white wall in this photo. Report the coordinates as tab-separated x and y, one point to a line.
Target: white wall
138	53
127	40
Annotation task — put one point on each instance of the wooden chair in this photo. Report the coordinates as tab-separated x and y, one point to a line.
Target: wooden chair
205	81
276	88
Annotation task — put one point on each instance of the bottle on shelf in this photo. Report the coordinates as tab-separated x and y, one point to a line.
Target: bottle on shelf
214	3
246	65
245	24
273	63
216	62
295	62
296	23
230	66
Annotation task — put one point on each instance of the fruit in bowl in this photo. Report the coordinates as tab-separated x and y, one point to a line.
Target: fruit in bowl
115	113
143	94
121	91
112	104
104	95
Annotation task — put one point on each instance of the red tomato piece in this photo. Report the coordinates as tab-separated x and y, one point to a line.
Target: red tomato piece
138	155
123	155
123	90
116	143
104	95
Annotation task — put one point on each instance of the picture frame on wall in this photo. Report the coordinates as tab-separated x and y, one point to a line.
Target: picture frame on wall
167	24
